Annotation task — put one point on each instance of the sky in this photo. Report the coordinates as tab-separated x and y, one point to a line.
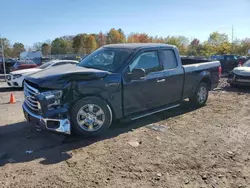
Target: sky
30	21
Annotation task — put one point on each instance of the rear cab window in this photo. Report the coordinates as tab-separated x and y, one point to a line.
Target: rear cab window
168	59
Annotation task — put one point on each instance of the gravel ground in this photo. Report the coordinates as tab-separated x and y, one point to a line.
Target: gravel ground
183	147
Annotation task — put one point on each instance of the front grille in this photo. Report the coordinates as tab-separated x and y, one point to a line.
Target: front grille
242	77
30	97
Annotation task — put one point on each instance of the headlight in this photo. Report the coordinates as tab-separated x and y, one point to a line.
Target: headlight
57	94
16	76
53	97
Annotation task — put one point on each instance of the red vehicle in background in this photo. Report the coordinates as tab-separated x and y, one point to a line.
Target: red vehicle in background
23	64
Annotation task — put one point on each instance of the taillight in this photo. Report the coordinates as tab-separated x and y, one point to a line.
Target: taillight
220	70
240	63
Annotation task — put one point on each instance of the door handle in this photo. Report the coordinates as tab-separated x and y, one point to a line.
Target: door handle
161	80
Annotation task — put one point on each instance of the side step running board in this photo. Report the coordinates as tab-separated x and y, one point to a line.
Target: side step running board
153	112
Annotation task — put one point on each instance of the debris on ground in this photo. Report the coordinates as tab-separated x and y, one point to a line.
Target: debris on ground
159	174
158	138
71	163
157	127
220	176
134	143
204	176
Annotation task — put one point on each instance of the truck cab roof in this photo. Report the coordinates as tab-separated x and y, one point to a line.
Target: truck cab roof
137	46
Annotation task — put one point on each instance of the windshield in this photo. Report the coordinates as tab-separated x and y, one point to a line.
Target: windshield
247	63
107	59
45	65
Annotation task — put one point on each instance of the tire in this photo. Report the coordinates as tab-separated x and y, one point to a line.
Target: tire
201	95
91	116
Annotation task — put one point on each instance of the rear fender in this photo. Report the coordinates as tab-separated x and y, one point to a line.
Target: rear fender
203	76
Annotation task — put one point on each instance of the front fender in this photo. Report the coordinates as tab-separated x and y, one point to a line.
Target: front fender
108	90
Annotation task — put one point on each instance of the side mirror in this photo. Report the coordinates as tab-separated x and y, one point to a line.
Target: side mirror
138	74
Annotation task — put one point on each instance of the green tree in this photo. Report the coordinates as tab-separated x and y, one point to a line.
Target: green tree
217	38
193	48
17	49
101	39
90	44
180	42
6	46
245	46
58	46
157	39
122	36
79	43
69	43
139	38
206	49
115	36
37	46
219	42
224	48
46	49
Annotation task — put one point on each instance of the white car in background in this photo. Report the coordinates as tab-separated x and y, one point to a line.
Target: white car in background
240	75
16	78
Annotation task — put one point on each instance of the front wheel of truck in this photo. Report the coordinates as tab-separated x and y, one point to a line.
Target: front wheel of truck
201	95
91	116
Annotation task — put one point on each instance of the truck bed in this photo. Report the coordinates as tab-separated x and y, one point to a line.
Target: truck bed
190	61
195	71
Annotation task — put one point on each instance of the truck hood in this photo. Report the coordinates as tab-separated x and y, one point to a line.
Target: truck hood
26	71
242	71
57	77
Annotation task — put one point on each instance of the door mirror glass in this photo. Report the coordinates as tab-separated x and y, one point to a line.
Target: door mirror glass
138	74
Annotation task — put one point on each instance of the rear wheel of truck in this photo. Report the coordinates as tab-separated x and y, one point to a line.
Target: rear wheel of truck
91	116
201	95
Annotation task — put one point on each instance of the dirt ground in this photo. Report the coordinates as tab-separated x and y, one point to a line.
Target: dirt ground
184	147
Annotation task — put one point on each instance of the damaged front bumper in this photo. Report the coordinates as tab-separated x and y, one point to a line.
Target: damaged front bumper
50	124
239	80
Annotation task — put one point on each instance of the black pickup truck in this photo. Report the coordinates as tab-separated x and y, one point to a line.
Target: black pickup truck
116	81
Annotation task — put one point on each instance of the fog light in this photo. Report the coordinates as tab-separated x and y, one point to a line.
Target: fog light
39	106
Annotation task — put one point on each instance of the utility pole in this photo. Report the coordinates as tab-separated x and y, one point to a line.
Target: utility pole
232	38
4	69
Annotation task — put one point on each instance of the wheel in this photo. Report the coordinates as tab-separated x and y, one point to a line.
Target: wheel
200	96
91	116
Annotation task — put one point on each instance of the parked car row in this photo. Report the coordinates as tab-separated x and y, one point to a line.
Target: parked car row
229	62
16	78
119	81
14	64
8	64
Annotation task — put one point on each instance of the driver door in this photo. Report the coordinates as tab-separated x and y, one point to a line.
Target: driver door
145	93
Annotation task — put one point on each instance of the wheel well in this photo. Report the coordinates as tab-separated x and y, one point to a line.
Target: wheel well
207	81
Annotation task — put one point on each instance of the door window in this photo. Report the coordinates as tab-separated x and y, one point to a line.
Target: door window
148	61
